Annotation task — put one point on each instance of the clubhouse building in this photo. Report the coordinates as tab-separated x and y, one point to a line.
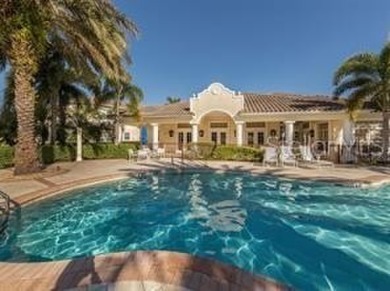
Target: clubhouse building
226	117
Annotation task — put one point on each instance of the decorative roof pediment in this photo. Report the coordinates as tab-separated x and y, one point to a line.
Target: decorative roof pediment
216	97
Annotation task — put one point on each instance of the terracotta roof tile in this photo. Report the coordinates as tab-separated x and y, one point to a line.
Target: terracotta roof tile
280	102
167	110
257	103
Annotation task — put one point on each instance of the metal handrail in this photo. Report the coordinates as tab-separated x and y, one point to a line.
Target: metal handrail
4	210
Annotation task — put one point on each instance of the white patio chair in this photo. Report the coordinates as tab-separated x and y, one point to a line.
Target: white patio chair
270	156
307	157
131	155
143	154
158	153
161	152
287	157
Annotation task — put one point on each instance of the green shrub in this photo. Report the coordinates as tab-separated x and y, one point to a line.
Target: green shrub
203	150
6	156
235	153
210	151
50	154
108	150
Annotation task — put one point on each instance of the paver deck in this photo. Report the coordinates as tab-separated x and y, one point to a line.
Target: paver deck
71	174
142	270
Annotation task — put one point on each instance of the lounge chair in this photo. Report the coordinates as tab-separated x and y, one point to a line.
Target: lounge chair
270	156
287	157
158	153
143	154
307	157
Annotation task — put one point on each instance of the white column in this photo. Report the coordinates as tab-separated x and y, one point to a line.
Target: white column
154	135
239	132
120	133
194	128
289	132
79	156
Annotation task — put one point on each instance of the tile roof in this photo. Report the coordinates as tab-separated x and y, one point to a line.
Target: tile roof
257	103
281	102
167	110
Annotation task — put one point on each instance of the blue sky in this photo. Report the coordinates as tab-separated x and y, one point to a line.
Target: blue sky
249	45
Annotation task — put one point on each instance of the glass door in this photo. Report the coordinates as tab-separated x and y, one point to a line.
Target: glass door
250	139
180	141
260	138
214	137
189	137
222	136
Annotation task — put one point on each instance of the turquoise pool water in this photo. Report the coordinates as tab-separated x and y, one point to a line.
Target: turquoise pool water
309	235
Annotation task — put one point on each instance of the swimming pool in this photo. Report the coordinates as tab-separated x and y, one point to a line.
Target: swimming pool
306	234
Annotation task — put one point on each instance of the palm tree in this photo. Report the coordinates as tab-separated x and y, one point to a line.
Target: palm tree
171	100
57	85
365	78
80	115
120	92
90	33
7	115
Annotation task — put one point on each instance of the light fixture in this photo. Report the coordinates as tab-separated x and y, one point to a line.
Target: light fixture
201	133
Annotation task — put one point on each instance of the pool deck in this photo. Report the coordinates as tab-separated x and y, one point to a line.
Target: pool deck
142	270
63	176
147	270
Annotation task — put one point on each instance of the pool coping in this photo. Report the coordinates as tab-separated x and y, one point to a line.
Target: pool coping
173	268
56	189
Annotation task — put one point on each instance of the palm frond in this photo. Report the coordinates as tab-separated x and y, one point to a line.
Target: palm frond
362	64
358	97
352	83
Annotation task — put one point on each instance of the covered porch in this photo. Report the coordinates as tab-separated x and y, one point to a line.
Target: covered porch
324	134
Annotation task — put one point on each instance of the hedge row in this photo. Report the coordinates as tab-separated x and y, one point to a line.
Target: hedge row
234	153
6	156
210	151
50	154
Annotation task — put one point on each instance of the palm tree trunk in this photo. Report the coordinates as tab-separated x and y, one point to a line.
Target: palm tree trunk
54	115
117	117
24	66
117	133
385	134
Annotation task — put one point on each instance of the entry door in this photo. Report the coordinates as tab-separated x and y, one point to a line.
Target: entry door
219	137
214	137
180	140
250	139
222	138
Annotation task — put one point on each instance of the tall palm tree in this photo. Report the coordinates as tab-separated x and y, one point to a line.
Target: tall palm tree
58	82
90	33
7	115
365	78
80	115
120	92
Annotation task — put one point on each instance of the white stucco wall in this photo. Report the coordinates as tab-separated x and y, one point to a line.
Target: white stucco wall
216	98
130	131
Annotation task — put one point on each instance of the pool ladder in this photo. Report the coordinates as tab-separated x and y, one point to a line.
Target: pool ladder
4	211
